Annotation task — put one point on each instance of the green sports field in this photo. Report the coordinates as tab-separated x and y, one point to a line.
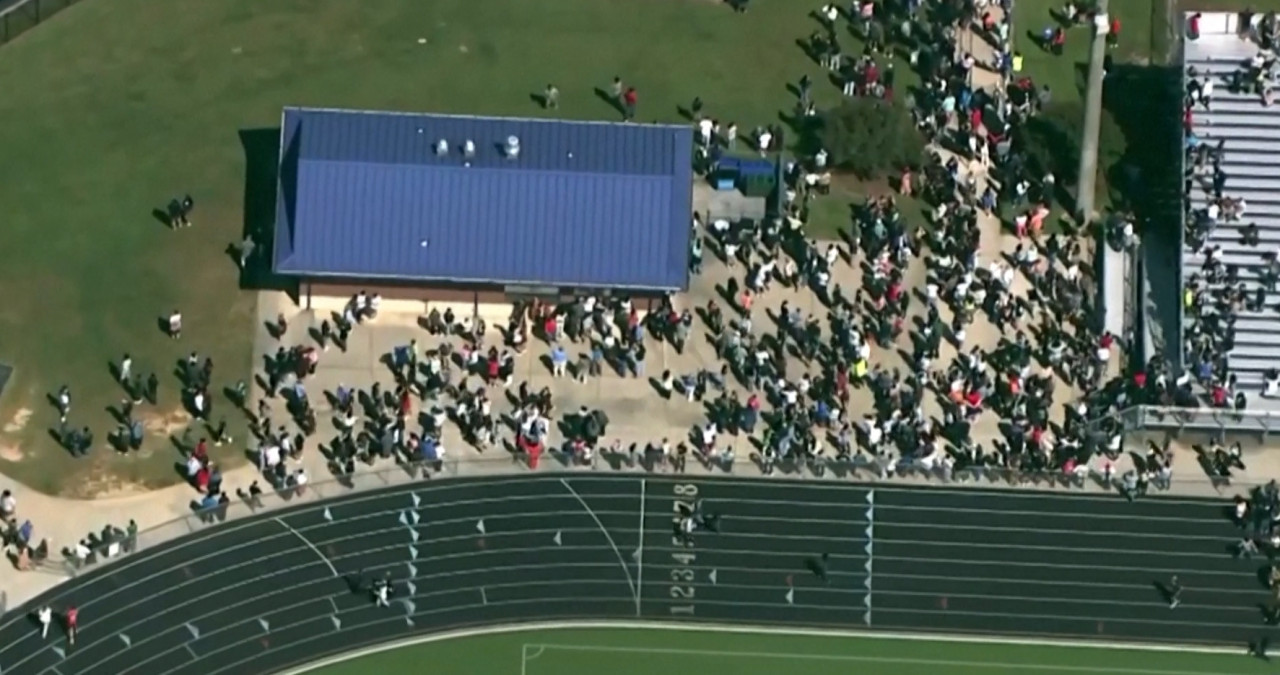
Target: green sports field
618	651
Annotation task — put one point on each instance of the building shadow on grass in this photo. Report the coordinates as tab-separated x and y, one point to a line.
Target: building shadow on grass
262	160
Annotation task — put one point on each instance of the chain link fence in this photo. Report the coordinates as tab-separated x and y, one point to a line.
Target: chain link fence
20	16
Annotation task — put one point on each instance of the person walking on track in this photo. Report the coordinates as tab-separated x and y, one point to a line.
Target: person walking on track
819	567
71	616
45	615
1174	590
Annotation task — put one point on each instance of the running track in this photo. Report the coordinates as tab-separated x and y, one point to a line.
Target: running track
261	595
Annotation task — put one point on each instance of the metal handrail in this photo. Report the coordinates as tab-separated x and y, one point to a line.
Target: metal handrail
1179	356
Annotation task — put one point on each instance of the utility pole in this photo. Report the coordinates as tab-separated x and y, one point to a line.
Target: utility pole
1086	181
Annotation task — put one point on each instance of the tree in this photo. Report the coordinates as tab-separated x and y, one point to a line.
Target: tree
870	137
1051	141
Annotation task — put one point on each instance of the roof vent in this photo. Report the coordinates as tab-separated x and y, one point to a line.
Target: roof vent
442	147
469	148
512	147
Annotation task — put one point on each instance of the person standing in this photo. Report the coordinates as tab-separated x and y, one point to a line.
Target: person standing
246	251
45	616
629	100
126	368
551	97
382	591
188	204
819	568
1174	589
64	403
615	90
175	325
220	432
72	616
153	388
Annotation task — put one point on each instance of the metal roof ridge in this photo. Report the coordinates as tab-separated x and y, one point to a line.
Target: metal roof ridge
488	118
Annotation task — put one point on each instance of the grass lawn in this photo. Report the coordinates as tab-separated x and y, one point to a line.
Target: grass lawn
111	108
664	652
829	215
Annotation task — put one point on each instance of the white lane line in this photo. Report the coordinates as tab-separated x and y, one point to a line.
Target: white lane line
442	609
203	534
626	569
191	651
1101	534
310	545
1150	571
236	528
737	553
1055	549
745	552
445	486
484	597
644	490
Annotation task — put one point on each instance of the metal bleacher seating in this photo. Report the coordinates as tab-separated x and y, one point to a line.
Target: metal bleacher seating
1250	134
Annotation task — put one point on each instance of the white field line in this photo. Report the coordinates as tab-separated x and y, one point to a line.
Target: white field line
806	632
851	658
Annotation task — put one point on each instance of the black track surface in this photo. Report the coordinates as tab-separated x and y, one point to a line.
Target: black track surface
259	596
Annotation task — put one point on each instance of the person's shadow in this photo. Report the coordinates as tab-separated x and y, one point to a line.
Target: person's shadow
610	100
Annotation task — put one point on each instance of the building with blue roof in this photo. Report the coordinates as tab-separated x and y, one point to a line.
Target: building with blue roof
445	204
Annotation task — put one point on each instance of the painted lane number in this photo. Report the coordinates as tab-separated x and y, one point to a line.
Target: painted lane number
682	574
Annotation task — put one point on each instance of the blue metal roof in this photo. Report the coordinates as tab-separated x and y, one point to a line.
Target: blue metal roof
585	204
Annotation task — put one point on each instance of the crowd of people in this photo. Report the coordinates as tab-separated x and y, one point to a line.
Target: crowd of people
787	380
810	386
977	171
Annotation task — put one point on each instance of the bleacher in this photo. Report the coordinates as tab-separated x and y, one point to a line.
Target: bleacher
1251	162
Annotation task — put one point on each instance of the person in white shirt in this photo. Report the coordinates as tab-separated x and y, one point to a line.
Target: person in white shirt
175	324
8	504
45	616
193	466
704	131
764	140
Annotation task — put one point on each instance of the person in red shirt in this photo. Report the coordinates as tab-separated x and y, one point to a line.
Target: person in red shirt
534	450
406	404
1058	41
494	366
202	451
71	616
629	100
202	479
